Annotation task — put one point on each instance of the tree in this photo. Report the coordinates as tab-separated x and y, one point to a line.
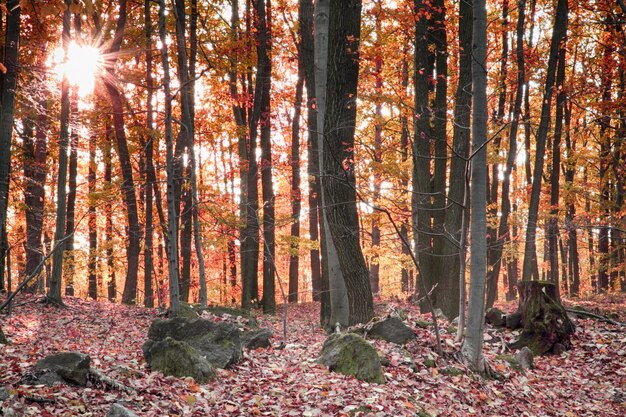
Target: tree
128	187
54	293
172	222
472	346
338	181
558	38
7	101
334	308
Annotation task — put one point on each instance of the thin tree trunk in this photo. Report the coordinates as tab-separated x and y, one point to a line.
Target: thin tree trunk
307	49
108	209
92	264
472	347
262	91
558	39
54	293
71	195
7	100
296	196
172	223
148	299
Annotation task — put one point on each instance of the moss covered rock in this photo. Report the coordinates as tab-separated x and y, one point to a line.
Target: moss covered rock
176	358
219	342
188	311
350	354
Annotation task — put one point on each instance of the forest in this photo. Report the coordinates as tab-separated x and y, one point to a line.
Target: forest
312	207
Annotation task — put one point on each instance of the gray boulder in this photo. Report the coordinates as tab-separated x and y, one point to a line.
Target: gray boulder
495	317
70	367
393	330
254	339
219	343
179	359
350	354
118	410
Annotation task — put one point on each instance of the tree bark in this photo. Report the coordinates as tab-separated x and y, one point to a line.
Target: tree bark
472	347
338	155
172	223
54	293
7	100
558	38
335	308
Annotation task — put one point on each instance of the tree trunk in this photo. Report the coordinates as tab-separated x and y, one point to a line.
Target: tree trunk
546	326
558	39
148	297
128	186
172	223
307	51
54	293
296	196
335	308
553	222
338	155
472	347
108	209
456	210
35	153
263	88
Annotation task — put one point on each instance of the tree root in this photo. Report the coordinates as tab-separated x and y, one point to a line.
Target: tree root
595	316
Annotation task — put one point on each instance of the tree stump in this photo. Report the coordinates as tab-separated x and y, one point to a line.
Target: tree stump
546	326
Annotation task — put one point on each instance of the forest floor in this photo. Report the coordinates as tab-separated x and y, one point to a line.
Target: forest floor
589	380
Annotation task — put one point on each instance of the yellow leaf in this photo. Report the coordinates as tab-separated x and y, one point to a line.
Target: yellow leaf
190	399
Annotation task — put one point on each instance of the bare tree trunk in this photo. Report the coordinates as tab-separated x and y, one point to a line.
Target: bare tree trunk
296	196
338	155
172	223
558	39
472	347
7	100
332	278
92	264
54	293
148	299
307	49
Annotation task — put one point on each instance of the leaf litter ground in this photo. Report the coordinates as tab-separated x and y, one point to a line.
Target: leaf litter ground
589	380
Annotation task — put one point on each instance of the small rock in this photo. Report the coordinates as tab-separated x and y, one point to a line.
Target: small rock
255	339
4	393
525	358
118	410
393	330
495	317
350	354
71	367
513	320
